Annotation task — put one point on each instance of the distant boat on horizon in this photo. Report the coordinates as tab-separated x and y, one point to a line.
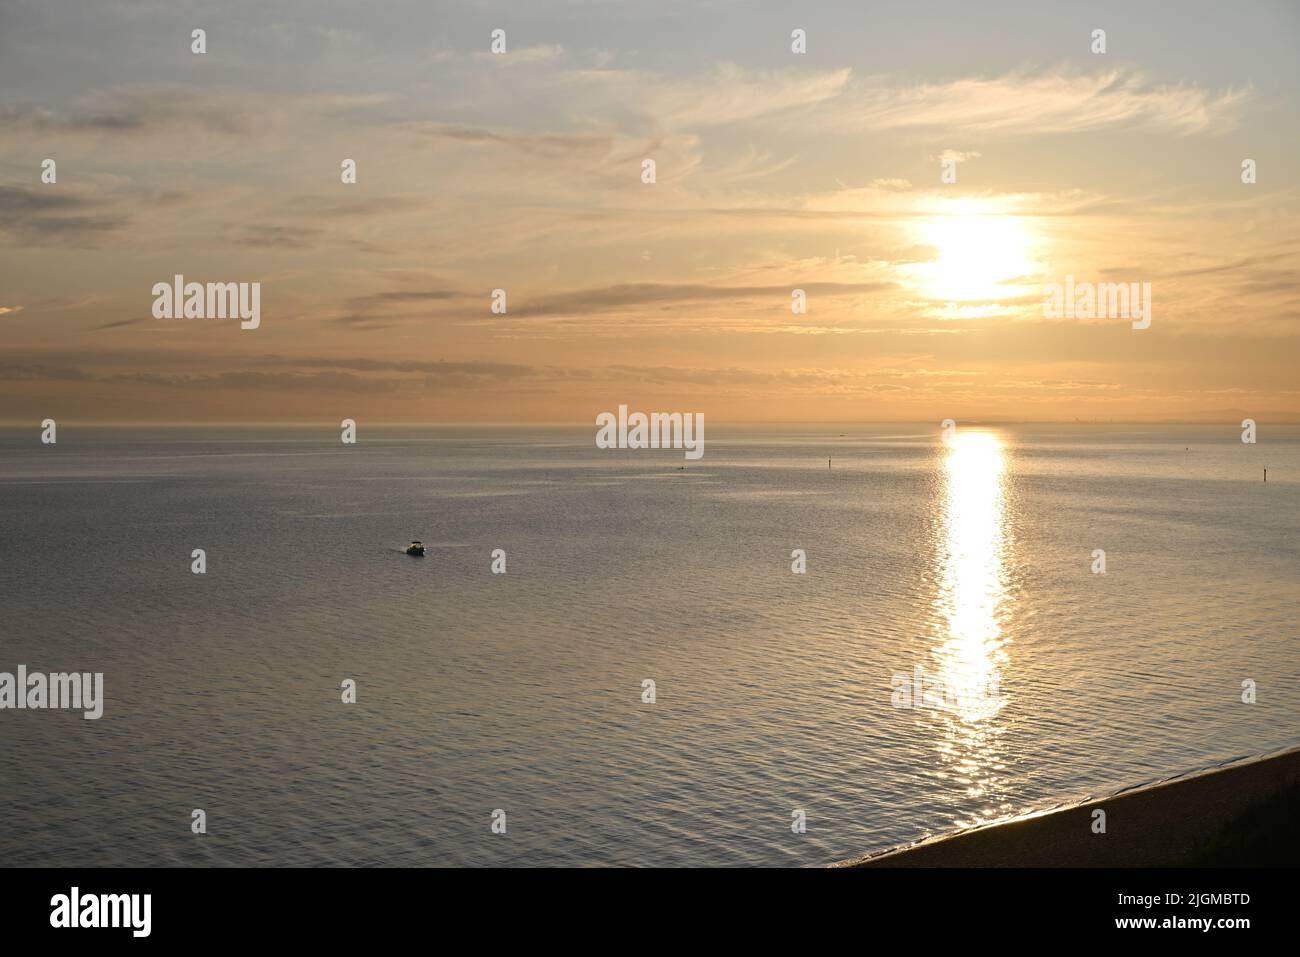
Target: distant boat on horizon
415	548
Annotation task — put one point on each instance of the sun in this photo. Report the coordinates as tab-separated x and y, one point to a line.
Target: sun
979	257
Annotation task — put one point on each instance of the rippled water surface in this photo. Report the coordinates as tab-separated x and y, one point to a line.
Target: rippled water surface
966	564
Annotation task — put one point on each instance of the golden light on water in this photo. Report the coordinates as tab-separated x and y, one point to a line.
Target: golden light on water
972	586
970	603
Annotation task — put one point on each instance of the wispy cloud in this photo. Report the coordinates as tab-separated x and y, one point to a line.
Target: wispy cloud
1047	102
596	145
727	94
523	56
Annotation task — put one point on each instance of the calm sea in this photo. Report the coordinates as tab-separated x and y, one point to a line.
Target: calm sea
969	563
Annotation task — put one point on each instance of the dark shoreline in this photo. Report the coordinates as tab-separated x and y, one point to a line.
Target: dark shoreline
1158	825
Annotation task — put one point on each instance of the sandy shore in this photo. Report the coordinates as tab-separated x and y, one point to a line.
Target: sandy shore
1153	826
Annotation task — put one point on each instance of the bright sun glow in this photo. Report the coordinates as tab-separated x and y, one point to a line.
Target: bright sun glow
979	256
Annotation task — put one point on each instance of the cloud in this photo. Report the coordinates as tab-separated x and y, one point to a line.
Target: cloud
542	53
269	236
728	94
117	324
423	295
371	206
282	373
1054	102
136	111
15	369
631	295
49	216
324	381
376	311
752	164
489	370
133	111
596	145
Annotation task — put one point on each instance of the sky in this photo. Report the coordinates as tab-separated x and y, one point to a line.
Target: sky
774	171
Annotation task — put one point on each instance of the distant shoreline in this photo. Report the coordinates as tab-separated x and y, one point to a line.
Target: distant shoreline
1157	825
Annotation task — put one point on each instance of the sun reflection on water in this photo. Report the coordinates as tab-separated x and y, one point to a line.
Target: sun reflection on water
971	603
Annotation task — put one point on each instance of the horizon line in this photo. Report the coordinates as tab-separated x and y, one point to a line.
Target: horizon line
1286	419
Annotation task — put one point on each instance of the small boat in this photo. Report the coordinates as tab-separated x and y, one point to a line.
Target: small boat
415	548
